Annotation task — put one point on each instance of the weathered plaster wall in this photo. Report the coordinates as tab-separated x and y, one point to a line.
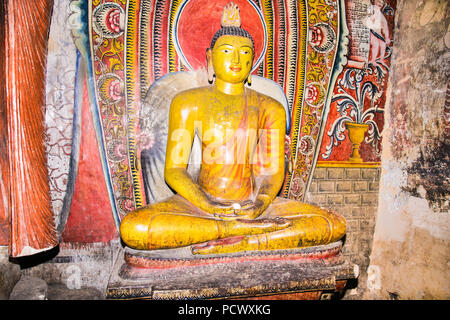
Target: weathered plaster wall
410	253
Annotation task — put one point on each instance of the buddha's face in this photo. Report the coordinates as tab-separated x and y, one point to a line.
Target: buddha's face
232	58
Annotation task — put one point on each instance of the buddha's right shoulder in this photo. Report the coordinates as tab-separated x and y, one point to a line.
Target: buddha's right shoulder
188	99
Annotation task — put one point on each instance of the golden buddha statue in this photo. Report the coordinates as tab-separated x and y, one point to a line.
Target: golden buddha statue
233	204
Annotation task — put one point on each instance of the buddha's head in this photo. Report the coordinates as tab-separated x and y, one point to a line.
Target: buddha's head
379	3
230	56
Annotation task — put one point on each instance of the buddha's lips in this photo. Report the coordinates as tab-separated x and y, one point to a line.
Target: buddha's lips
235	68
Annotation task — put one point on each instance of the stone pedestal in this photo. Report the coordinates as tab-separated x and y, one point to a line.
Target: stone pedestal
308	273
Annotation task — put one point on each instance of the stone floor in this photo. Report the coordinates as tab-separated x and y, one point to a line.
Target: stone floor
33	288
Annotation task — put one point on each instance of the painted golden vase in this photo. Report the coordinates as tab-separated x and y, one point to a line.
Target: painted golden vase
356	133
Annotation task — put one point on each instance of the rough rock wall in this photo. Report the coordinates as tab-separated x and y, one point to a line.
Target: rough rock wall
410	253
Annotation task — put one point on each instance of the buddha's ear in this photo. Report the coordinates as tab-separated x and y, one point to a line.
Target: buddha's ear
209	66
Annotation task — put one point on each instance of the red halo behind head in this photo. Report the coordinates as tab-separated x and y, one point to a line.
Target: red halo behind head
197	21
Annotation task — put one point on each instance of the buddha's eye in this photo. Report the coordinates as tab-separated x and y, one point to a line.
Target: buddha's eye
226	50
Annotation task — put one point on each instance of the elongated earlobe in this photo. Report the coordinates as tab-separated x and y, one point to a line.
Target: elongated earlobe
249	79
209	66
210	70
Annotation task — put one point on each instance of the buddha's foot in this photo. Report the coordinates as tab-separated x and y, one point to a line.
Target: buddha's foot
257	226
245	229
226	245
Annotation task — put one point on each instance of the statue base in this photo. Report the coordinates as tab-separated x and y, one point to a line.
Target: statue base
305	273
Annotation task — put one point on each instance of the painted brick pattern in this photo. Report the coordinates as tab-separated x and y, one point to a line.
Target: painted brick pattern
352	192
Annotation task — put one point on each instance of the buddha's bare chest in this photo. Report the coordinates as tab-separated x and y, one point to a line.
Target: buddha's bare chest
222	121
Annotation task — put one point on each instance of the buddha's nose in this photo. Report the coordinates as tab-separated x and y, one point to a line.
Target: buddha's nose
235	56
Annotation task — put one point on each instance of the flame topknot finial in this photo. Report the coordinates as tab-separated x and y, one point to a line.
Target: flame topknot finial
230	16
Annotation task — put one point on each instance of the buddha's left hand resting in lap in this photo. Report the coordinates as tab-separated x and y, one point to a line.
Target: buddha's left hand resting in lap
233	205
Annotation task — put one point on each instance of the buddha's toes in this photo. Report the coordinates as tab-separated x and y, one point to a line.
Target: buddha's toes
226	245
210	244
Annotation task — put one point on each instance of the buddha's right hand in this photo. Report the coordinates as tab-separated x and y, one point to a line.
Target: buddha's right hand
219	209
227	209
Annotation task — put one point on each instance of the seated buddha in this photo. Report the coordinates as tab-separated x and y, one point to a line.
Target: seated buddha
233	205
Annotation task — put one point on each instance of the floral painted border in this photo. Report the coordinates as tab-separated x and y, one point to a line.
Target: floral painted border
326	49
